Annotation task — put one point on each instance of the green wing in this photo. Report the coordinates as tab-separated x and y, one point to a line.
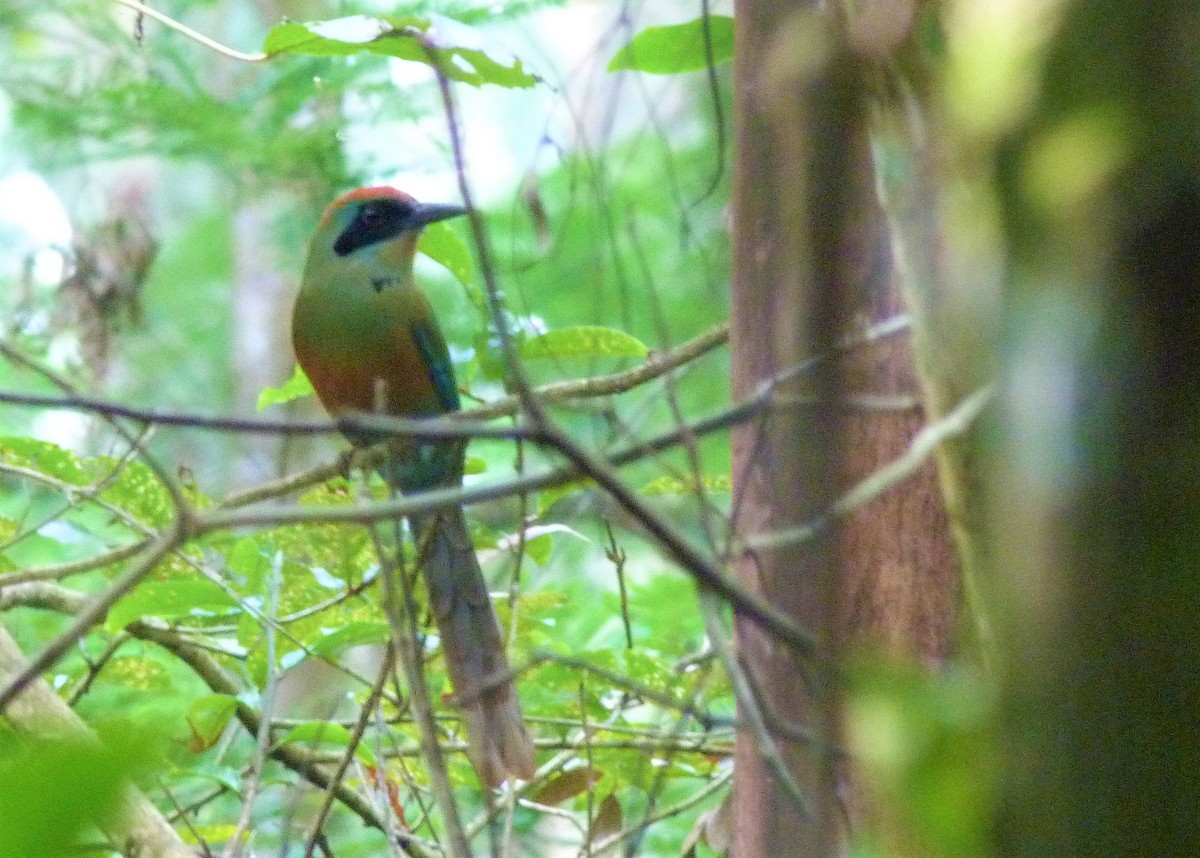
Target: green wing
437	358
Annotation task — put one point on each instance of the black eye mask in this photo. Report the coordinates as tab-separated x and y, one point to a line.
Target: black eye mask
375	220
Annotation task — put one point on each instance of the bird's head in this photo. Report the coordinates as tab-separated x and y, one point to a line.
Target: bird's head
374	216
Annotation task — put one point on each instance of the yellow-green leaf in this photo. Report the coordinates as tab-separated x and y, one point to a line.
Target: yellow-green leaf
475	465
676	48
674	486
583	341
143	674
296	387
442	244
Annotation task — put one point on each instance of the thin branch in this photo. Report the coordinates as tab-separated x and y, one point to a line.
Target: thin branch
749	712
215	676
343	763
56	571
663	741
94	666
460	424
143	9
262	741
681	806
95	609
398	606
298	759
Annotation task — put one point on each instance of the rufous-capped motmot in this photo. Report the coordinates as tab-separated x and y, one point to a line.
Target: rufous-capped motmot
368	339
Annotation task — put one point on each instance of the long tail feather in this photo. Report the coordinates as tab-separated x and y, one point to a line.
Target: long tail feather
497	742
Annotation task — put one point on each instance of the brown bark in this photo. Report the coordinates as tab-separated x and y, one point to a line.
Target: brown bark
811	263
899	577
786	204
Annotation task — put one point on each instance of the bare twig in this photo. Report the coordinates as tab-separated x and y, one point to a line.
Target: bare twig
343	763
262	742
398	605
616	556
143	9
462	424
712	787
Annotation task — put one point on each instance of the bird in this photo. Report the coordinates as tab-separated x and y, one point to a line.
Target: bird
368	339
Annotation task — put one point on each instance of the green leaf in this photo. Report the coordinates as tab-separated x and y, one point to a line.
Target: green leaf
539	548
207	717
323	733
549	497
42	456
143	674
676	48
169	599
475	465
246	559
396	38
138	491
583	341
442	244
296	387
351	634
673	486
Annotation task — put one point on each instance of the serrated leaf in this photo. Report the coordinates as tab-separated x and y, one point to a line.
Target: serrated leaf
442	244
296	387
360	33
676	48
583	341
325	733
567	785
351	634
207	718
673	486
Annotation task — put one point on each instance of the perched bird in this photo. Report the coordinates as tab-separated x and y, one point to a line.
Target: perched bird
365	334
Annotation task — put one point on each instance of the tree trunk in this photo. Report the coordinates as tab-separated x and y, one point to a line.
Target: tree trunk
812	263
792	114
